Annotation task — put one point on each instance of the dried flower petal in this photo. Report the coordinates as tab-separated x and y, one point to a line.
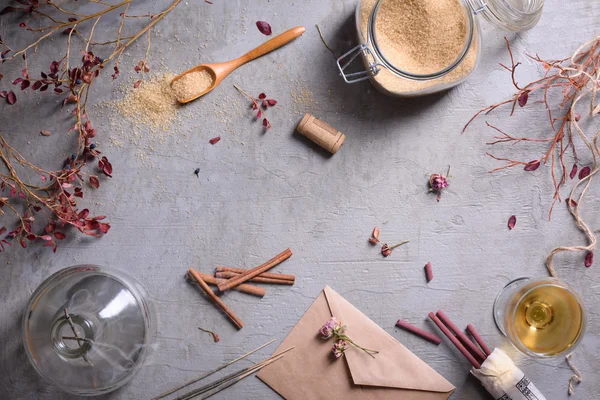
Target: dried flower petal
259	114
512	221
45	133
385	250
272	102
214	140
573	171
339	348
589	259
532	165
11	98
376	233
585	172
94	182
326	330
523	98
264	27
373	240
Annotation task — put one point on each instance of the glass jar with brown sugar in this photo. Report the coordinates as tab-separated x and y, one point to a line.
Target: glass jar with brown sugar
417	47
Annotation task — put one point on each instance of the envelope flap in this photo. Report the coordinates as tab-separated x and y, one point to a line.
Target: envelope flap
395	366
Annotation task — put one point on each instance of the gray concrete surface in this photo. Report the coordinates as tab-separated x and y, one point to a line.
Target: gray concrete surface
259	193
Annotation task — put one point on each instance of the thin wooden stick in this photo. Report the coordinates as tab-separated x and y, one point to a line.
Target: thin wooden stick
454	341
249	289
287	277
471	329
237	374
231	283
462	337
216	300
209	373
256	279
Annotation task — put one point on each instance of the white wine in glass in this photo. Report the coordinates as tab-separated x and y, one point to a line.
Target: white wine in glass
541	317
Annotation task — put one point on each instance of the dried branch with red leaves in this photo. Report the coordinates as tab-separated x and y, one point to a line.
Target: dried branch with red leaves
565	83
42	208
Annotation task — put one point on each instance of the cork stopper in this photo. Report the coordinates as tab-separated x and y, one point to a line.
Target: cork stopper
321	133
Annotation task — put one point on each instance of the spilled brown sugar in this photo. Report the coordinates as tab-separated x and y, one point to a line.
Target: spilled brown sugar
192	84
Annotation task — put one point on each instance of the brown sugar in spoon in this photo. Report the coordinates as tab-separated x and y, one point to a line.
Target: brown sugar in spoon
219	71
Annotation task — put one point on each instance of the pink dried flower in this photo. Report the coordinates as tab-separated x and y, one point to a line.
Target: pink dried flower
438	182
339	348
326	330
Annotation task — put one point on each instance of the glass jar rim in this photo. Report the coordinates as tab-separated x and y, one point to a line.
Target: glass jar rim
371	32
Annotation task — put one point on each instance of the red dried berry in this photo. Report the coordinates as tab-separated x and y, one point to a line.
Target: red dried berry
512	221
262	96
573	171
264	27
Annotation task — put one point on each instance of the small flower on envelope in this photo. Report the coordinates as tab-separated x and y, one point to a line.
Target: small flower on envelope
336	330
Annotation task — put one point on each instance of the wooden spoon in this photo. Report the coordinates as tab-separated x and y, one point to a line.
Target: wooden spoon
221	70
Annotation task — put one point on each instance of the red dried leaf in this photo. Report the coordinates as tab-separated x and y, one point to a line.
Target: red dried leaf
373	240
23	25
22	195
94	182
259	114
264	27
532	165
523	99
104	227
585	172
589	259
31	236
60	235
44	88
272	102
137	84
266	123
2	230
50	227
37	85
572	202
23	243
512	221
376	233
105	166
45	133
3	94
25	84
83	213
17	81
11	98
573	171
46	237
262	96
214	140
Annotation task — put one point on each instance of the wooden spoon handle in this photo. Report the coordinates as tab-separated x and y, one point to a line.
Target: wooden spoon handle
273	44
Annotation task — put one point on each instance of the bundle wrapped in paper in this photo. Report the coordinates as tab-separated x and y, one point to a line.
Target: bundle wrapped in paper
504	380
312	372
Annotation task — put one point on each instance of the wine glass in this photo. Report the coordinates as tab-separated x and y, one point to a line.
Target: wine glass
541	317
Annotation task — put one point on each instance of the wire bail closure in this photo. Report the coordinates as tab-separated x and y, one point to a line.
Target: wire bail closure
372	70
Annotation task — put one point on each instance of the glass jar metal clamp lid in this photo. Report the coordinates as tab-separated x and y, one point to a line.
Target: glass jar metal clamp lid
88	329
393	79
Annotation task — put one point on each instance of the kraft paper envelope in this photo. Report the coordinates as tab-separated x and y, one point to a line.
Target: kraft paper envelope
311	372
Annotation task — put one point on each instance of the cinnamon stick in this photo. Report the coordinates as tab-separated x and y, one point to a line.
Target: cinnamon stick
270	275
462	337
216	300
454	341
257	279
233	282
249	289
471	329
